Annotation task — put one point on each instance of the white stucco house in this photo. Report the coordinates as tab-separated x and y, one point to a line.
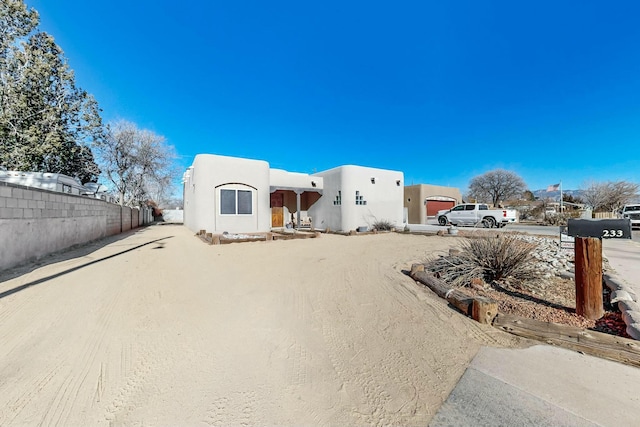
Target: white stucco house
357	196
240	195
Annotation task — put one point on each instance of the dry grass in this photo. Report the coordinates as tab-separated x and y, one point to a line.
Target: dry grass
490	259
382	225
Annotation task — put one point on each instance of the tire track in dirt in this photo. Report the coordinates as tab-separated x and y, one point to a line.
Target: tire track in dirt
237	409
412	290
322	331
386	386
383	390
19	403
133	375
66	398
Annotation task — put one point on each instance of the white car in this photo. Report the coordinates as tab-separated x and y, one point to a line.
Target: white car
475	214
633	213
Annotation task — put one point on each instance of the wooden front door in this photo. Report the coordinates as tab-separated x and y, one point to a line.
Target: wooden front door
277	210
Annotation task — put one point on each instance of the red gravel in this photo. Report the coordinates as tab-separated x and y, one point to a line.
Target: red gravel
555	302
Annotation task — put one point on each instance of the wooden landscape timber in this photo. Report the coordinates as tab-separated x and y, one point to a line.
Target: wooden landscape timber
221	239
484	310
594	343
481	309
297	235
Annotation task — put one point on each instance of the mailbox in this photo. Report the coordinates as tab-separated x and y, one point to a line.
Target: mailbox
601	228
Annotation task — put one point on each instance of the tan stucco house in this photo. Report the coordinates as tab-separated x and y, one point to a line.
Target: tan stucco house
423	201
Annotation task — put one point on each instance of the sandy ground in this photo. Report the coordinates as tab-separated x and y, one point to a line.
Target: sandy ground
158	328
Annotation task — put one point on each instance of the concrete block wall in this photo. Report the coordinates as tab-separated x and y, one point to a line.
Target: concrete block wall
126	218
113	221
135	218
35	222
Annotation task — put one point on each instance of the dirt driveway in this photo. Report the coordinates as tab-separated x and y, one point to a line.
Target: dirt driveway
159	328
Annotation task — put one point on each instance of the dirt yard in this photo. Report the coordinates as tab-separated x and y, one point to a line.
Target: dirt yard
158	328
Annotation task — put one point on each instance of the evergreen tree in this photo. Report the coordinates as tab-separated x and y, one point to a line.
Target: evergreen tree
47	123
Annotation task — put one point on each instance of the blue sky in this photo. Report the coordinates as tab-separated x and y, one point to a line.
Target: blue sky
443	91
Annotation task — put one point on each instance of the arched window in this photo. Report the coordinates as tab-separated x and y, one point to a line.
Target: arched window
236	199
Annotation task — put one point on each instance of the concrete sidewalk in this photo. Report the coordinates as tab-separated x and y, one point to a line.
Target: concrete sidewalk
551	386
624	257
542	386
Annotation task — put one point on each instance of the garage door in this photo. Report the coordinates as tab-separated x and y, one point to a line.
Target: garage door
433	206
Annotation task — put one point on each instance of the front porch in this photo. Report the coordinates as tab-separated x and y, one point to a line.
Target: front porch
289	207
292	194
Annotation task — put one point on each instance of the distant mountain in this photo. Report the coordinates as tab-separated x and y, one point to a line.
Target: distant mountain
555	195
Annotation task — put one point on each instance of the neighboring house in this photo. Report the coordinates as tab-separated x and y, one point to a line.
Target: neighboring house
45	181
239	195
423	201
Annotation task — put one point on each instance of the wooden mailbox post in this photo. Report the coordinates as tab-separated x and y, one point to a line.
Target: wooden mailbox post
588	264
588	235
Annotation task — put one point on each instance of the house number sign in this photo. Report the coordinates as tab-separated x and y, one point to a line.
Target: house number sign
600	228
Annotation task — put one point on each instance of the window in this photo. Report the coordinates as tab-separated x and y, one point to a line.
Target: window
236	202
458	208
483	208
469	207
338	199
228	202
244	202
360	199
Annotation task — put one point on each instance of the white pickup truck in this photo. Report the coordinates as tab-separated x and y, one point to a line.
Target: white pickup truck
475	214
633	213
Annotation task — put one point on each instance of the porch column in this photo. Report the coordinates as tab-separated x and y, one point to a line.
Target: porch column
298	192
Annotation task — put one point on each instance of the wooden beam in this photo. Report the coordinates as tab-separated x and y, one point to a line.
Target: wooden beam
483	310
459	300
588	267
415	268
594	343
433	283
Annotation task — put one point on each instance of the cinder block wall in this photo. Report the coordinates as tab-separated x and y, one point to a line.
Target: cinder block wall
135	218
126	218
35	223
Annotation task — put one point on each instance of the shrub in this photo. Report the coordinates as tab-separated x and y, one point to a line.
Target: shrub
560	219
382	225
489	258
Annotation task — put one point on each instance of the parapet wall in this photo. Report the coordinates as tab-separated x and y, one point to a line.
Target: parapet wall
35	222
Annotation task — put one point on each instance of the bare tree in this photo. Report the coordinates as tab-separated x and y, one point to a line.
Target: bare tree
138	163
609	196
594	195
496	186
